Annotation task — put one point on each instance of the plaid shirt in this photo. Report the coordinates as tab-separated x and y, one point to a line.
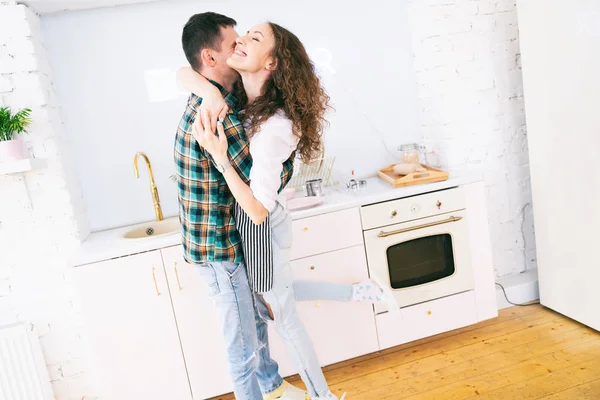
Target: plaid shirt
206	205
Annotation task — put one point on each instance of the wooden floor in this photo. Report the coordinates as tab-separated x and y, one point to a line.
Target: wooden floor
525	353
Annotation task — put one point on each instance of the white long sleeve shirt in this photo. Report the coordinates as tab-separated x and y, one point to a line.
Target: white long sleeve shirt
270	147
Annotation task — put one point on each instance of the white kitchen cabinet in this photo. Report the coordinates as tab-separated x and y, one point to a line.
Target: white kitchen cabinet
326	232
339	330
131	329
154	331
426	319
199	327
201	339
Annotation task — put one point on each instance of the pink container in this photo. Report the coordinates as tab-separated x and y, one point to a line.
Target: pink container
289	193
12	150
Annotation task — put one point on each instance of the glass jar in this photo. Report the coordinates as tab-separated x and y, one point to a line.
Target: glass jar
409	153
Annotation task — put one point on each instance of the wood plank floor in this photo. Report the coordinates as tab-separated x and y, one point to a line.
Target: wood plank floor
525	353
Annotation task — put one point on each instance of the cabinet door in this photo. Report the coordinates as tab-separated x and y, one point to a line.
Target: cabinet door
199	329
131	329
339	330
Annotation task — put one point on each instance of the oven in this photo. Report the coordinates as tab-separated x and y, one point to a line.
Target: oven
419	246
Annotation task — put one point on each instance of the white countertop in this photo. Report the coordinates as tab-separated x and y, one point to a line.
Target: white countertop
377	191
109	244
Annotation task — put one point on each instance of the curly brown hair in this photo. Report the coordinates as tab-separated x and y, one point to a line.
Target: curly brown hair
294	88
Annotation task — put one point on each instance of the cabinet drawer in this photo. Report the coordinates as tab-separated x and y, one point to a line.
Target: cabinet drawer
411	208
427	319
327	232
345	266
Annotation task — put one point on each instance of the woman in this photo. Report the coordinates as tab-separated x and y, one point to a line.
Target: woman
284	113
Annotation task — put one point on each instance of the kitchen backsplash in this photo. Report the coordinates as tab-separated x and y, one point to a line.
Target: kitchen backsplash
115	78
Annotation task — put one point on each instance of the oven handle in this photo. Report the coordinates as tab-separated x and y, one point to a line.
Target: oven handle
383	234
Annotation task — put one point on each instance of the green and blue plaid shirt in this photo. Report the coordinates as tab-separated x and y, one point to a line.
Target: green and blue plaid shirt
206	205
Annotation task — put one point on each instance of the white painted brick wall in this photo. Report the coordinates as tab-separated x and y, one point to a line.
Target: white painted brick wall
470	99
42	218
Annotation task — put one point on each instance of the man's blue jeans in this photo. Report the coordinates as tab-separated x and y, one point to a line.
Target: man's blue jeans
252	370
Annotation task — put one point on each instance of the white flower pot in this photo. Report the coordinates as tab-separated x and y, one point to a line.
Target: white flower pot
12	150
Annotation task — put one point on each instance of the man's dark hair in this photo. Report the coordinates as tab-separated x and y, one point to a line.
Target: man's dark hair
203	31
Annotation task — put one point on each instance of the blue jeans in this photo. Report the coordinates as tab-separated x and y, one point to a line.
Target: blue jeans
285	315
252	370
242	316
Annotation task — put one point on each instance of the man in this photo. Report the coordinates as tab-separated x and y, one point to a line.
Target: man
206	206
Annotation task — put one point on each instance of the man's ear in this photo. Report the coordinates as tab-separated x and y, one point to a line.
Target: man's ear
207	58
272	64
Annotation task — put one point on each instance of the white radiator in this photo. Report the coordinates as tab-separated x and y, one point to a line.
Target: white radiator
23	373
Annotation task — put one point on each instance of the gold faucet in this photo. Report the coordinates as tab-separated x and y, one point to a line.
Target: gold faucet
153	188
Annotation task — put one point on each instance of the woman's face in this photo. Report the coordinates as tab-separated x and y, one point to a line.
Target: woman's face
253	51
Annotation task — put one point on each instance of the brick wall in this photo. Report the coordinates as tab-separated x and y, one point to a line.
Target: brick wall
42	217
470	101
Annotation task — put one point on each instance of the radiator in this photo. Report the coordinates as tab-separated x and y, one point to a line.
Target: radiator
23	373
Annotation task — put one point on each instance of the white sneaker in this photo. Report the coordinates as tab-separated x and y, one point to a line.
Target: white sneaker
287	392
373	292
367	291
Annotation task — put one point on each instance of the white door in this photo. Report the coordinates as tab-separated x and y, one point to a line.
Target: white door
339	330
560	46
131	329
199	329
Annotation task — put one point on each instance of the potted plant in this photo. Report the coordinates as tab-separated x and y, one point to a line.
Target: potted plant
11	125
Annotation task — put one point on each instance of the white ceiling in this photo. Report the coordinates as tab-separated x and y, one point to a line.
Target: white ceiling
50	6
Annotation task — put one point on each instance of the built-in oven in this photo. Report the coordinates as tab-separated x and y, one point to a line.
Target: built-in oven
419	246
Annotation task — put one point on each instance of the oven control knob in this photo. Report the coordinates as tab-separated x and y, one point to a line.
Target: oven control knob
438	204
394	213
414	208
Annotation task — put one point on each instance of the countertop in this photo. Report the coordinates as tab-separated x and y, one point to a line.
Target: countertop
105	245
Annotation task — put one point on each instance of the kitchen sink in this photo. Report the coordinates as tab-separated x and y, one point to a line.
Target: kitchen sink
153	229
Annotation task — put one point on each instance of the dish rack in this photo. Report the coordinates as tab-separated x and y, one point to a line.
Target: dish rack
320	168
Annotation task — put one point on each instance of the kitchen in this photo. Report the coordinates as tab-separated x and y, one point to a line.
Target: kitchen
449	60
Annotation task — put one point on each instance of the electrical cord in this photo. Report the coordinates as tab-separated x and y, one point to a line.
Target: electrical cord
516	304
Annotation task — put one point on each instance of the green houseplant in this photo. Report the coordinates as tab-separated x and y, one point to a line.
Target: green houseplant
10	126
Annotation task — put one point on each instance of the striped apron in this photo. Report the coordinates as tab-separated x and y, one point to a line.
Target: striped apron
258	250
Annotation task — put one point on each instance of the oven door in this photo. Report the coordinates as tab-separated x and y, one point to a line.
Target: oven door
421	260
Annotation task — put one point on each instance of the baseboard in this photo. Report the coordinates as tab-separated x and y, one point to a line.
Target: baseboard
520	288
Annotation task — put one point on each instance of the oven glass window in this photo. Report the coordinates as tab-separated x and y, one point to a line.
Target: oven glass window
420	261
